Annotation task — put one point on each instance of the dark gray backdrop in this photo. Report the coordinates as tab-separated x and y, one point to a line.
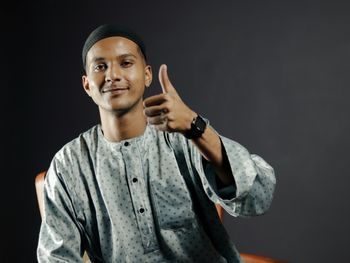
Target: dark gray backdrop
272	75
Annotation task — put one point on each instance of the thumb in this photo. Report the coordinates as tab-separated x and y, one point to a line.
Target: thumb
167	87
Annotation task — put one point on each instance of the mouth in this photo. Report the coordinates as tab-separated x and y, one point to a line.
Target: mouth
115	90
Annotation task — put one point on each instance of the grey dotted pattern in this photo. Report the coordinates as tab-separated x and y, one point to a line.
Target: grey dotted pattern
145	199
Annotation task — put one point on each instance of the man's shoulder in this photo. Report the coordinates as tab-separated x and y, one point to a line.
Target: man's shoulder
83	143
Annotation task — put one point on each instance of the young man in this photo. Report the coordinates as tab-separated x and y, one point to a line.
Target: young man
142	185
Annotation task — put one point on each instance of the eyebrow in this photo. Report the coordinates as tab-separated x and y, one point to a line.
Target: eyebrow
122	56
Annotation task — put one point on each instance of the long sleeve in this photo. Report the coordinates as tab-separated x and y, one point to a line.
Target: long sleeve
255	181
59	238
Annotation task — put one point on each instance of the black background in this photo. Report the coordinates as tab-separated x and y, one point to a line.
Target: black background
272	75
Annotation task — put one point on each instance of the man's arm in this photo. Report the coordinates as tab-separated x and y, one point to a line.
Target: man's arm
249	180
169	113
211	148
59	238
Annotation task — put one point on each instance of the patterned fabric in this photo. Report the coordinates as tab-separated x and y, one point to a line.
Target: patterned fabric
146	199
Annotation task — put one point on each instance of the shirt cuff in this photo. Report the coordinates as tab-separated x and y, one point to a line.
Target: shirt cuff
224	192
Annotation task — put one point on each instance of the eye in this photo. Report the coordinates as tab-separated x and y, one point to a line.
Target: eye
126	63
100	67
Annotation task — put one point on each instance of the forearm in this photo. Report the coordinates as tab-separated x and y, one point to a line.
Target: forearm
251	191
211	148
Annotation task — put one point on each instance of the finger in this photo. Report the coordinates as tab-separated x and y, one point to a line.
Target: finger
167	87
155	100
155	110
157	120
161	127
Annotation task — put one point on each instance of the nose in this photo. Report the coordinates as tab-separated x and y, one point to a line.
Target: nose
113	73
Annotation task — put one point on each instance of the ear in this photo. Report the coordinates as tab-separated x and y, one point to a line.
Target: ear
148	76
86	86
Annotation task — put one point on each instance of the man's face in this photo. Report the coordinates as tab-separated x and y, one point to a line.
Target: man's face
116	75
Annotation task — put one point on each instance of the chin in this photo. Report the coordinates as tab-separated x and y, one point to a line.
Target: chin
123	107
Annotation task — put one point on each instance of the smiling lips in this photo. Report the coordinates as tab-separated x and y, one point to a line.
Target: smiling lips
116	90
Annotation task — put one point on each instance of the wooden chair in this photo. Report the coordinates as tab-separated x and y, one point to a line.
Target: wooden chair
247	258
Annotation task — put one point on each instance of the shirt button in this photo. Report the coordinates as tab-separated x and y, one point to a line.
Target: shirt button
134	180
141	210
126	143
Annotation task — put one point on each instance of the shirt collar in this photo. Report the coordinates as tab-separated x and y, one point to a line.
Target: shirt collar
142	140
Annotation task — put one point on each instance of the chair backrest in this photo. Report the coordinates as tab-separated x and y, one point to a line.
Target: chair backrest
220	212
250	258
247	258
39	187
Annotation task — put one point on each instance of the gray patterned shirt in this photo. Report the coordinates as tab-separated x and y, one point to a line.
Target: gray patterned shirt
146	199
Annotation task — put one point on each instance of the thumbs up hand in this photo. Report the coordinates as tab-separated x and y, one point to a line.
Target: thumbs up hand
166	111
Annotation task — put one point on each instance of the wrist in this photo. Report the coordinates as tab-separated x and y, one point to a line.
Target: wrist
191	117
196	127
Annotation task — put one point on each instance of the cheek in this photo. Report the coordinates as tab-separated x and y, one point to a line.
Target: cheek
133	77
95	81
137	75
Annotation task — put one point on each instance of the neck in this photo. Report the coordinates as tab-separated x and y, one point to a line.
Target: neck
117	127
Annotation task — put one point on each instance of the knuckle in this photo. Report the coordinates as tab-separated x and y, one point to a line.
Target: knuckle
147	111
160	110
167	106
167	97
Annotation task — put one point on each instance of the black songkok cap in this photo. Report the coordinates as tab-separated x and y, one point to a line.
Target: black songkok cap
108	30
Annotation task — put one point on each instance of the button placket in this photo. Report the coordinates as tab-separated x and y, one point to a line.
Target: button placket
138	196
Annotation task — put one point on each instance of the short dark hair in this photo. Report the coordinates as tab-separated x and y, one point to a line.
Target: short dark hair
109	30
